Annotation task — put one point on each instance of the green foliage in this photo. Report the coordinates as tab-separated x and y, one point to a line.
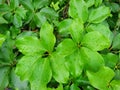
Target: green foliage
59	45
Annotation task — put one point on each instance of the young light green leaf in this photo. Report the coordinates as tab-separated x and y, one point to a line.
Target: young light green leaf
103	28
47	37
98	2
60	72
41	74
78	9
95	41
66	47
115	84
76	30
101	79
35	69
98	15
90	2
74	64
92	60
2	39
29	45
3	21
116	42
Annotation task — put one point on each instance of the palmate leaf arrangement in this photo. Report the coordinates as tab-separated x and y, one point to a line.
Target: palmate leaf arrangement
76	60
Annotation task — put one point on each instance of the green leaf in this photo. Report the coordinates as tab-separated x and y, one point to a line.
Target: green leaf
29	45
4	8
110	60
14	4
40	3
101	79
17	21
92	60
17	83
21	12
4	79
66	47
64	26
98	2
74	87
39	19
115	84
90	2
27	4
3	21
47	37
78	9
95	41
103	28
117	74
2	39
35	69
49	13
116	42
60	72
74	64
76	30
99	14
42	74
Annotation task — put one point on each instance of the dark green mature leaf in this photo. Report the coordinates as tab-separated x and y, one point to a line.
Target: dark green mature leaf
4	71
74	64
60	72
98	15
64	26
2	39
39	19
17	21
35	69
116	42
40	3
95	41
21	12
78	9
47	37
14	4
92	60
110	60
17	83
27	4
49	13
101	79
29	45
66	47
76	30
4	8
74	87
